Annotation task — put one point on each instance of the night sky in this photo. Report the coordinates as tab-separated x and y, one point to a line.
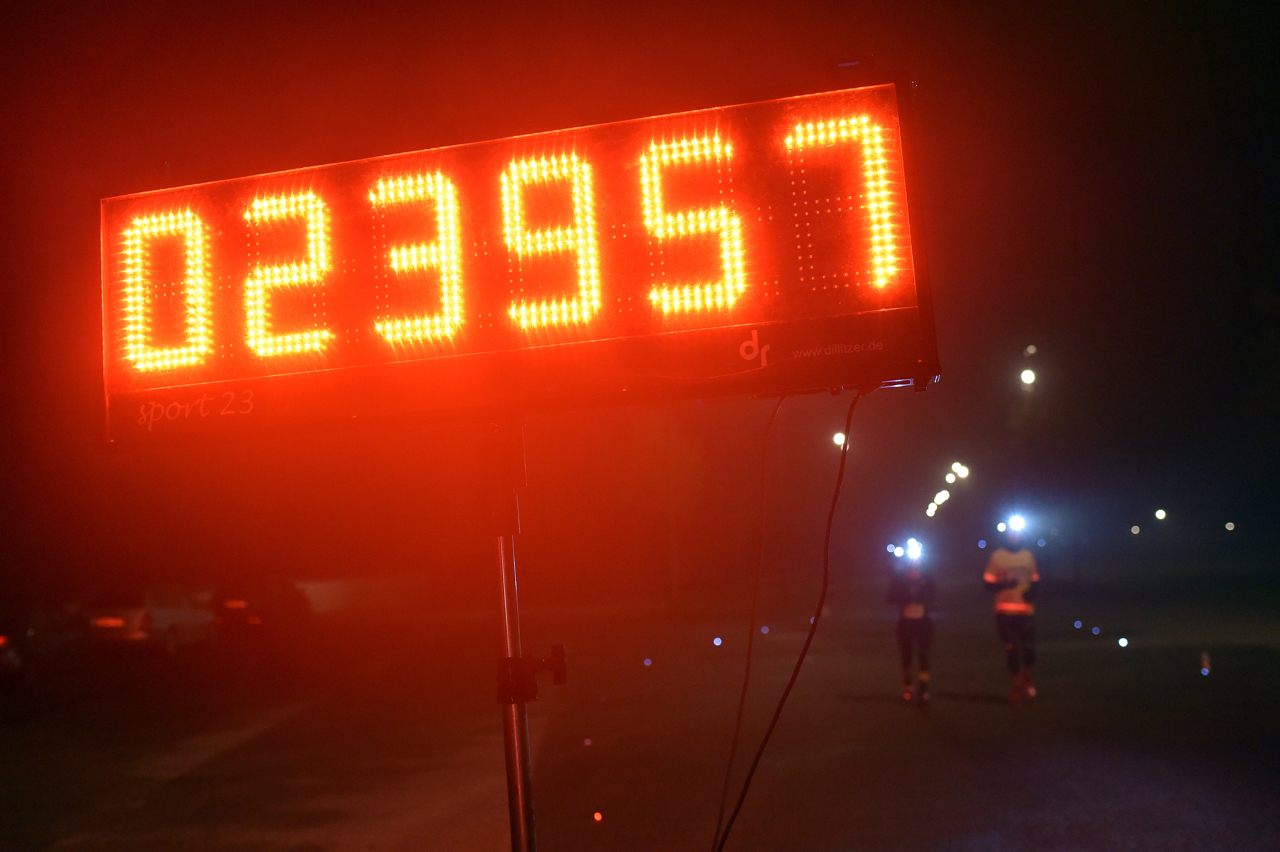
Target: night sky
1099	181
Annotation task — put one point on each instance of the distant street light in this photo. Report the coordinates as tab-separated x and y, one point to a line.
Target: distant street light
1159	514
1017	523
1028	377
838	438
1230	526
1134	529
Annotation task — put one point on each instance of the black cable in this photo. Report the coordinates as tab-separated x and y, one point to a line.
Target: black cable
751	630
813	626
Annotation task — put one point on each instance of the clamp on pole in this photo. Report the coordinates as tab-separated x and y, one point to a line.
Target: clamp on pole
518	676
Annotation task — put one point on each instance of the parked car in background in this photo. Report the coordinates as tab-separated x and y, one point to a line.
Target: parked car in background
259	611
166	617
11	658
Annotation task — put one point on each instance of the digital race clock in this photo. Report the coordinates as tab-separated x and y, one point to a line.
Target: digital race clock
754	249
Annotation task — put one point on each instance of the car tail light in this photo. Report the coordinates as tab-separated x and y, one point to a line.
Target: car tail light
108	621
4	640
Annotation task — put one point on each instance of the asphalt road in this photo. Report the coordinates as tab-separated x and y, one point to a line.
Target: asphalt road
384	735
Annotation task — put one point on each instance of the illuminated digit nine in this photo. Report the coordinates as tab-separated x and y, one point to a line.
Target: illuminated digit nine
581	238
137	299
263	279
443	254
883	262
687	222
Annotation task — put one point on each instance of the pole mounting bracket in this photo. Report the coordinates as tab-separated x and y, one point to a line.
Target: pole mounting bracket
518	676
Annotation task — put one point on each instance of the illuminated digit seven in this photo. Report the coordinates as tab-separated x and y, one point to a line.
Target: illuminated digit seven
137	301
879	206
443	255
264	279
580	239
705	220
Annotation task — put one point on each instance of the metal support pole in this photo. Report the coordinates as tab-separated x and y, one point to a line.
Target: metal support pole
508	476
515	717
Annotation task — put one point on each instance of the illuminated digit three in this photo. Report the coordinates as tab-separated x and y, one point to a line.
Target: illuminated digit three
442	254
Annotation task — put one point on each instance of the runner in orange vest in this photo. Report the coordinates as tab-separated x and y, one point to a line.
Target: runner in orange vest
1012	575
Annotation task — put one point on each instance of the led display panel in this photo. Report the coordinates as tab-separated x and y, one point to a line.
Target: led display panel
757	249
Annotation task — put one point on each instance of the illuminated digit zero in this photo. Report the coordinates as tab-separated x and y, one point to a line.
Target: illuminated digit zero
137	301
443	254
581	238
264	279
687	222
878	204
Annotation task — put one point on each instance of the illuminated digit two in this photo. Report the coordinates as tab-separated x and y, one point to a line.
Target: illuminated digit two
581	238
443	255
706	220
879	206
138	285
264	279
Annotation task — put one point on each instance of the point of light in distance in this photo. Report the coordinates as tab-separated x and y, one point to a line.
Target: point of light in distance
889	548
838	438
764	629
1135	529
1230	526
959	470
1160	514
1096	631
898	551
1123	642
1030	350
587	741
1001	527
1077	625
1017	523
648	662
914	548
951	477
1040	542
982	542
597	816
716	641
1028	377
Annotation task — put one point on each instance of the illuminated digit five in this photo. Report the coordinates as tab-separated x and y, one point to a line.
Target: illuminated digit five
444	255
707	220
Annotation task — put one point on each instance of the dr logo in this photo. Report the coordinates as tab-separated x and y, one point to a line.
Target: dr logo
751	349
